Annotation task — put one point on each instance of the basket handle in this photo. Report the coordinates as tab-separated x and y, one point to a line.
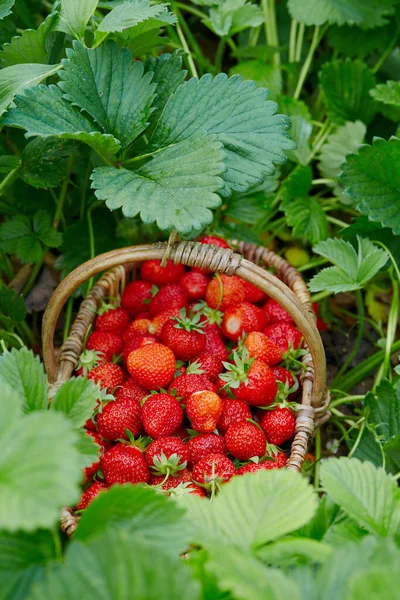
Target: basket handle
191	254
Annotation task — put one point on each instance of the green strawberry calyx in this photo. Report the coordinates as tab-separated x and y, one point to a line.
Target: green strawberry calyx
89	359
191	323
237	372
194	368
171	465
212	314
107	306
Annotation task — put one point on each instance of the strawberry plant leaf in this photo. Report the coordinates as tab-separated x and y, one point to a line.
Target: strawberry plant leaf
12	306
114	92
176	188
388	93
24	373
266	76
379	583
75	15
77	399
367	15
353	485
232	16
346	85
306	217
384	408
359	42
89	451
298	183
371	178
373	231
24	237
5	7
239	115
131	13
292	550
31	46
45	160
8	163
301	128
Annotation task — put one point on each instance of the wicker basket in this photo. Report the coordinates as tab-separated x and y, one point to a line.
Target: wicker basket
247	262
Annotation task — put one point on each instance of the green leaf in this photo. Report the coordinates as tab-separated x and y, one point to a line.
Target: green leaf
384	408
75	15
18	77
307	218
114	92
346	85
77	399
43	111
344	140
131	13
5	7
291	551
249	210
352	270
17	237
301	128
232	16
298	183
176	189
353	41
12	305
45	161
24	373
239	115
89	451
388	93
366	493
31	46
351	12
372	179
168	75
379	583
263	75
118	566
365	228
23	559
8	163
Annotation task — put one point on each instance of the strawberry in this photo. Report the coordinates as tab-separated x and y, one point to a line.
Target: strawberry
233	411
154	273
112	319
213	240
124	464
251	467
284	335
118	416
103	445
279	459
138	326
152	366
187	488
161	415
242	318
279	425
137	340
169	296
260	346
214	344
194	284
278	462
275	313
184	335
251	380
130	389
88	360
213	470
223	291
158	322
90	494
204	444
252	293
108	375
167	455
185	385
245	440
108	344
283	375
206	364
173	481
204	409
321	324
136	296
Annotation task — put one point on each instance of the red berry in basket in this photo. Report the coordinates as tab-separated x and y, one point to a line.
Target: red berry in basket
242	318
214	344
90	494
103	445
132	390
283	375
173	481
213	240
321	324
204	444
169	296
204	409
245	440
251	380
185	385
112	319
207	364
124	464
260	346
109	344
137	340
252	293
118	416
184	335
158	322
161	415
108	375
160	451
279	425
195	285
233	411
224	290
213	470
152	366
279	460
136	296
276	313
284	335
154	273
138	326
188	488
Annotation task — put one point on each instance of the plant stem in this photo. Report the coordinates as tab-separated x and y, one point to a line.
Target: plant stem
220	54
353	353
271	30
68	316
299	43
318	262
8	180
254	35
307	63
385	55
321	140
326	181
190	9
392	324
186	29
91	243
338	222
185	46
345	400
320	296
63	193
317	456
292	40
84	189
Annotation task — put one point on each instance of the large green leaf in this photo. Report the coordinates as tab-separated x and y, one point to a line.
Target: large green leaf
307	218
104	83
388	93
117	566
384	408
231	16
5	7
45	160
239	115
372	179
25	237
30	47
346	85
301	128
344	140
367	15
266	76
18	77
74	16
24	373
365	228
77	399
380	583
291	551
12	306
131	13
176	189
364	492
352	41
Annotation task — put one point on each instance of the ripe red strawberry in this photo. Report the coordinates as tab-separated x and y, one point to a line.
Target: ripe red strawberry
124	464
166	455
204	444
130	389
276	313
233	411
260	346
245	440
214	240
242	318
109	344
206	364
213	470
185	385
104	445
251	467
184	335
279	425
204	409
188	488
283	335
214	344
251	380
136	296
90	494
138	326
321	324
108	375
173	481
154	273
161	415
223	291
169	296
152	366
117	416
137	340
158	322
279	460
283	375
252	293
194	284
112	319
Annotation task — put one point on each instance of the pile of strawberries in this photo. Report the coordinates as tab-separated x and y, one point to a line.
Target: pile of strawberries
195	379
